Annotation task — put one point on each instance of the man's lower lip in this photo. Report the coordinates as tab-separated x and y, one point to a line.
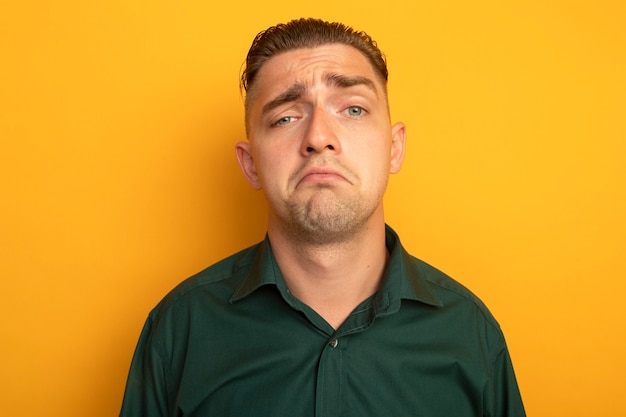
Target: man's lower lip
317	178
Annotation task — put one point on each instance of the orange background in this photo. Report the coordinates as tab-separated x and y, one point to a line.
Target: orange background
118	177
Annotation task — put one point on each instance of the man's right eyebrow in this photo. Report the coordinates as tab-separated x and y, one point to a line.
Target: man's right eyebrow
293	93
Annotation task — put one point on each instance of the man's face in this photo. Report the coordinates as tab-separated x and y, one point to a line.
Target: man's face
320	141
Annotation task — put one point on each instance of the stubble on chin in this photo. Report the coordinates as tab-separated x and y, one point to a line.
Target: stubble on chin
322	221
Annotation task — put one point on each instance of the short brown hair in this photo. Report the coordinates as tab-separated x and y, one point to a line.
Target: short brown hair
307	33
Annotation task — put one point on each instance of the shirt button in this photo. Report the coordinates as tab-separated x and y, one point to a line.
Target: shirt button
333	344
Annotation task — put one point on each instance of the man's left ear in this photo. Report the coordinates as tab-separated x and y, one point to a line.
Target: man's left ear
398	146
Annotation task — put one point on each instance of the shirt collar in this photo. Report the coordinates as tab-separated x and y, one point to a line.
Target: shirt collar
402	278
256	270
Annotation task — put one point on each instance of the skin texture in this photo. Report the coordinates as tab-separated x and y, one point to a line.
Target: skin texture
321	147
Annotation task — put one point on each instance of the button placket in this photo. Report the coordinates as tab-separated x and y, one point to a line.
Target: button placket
331	375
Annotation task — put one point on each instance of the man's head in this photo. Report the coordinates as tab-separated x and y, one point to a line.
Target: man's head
306	33
321	144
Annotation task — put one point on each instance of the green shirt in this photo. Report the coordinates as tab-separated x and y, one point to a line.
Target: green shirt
233	341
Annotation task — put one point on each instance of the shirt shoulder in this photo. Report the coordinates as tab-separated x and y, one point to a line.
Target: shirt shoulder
221	279
452	293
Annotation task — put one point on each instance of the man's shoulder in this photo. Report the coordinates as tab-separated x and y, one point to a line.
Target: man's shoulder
220	278
441	281
451	292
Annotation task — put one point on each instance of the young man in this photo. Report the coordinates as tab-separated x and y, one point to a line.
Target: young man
329	315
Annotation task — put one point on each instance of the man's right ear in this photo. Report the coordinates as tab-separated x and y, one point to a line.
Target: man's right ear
246	163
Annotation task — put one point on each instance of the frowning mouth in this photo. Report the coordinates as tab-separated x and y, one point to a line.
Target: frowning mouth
321	175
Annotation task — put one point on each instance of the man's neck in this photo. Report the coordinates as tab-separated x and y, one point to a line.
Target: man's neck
332	278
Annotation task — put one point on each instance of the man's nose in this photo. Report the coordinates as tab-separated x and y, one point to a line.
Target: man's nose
320	134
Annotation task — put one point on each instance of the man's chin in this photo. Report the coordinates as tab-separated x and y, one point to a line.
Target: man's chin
324	218
326	229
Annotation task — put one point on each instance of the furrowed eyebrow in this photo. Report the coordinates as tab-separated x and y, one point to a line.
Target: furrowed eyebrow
347	81
297	90
291	94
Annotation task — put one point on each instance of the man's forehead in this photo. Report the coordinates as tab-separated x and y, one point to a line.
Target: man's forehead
276	83
302	64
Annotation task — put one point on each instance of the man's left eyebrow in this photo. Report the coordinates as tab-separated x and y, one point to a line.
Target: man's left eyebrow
346	81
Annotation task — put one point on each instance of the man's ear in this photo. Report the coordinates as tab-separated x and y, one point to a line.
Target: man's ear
398	146
246	163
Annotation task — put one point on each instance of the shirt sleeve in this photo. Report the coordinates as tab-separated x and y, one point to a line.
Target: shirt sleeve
146	391
503	397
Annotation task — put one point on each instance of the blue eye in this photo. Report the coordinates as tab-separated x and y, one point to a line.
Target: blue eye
283	121
355	111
